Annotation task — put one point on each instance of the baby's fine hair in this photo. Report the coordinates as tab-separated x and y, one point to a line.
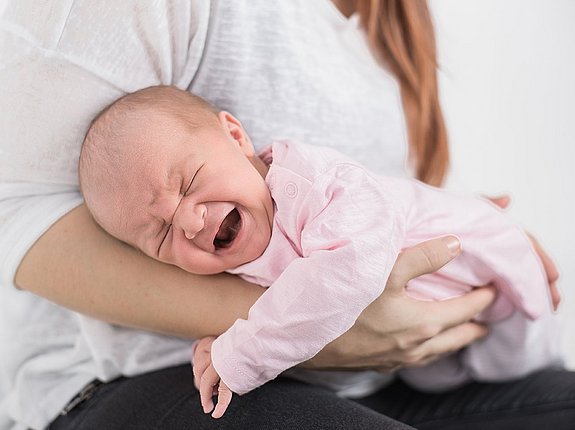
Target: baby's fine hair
107	144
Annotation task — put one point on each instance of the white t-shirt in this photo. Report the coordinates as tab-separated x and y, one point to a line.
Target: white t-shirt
292	69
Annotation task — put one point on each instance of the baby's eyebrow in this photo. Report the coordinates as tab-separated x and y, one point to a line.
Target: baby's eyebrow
186	186
158	243
174	184
170	185
192	179
173	180
139	235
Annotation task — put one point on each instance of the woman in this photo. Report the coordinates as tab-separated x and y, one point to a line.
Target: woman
307	69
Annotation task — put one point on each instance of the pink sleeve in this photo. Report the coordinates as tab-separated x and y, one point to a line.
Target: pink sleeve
350	240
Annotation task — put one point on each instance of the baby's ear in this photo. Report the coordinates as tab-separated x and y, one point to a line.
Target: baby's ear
236	131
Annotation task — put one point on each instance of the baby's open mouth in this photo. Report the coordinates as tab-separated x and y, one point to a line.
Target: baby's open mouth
228	230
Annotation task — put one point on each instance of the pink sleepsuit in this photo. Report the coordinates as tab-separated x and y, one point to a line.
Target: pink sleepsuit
337	231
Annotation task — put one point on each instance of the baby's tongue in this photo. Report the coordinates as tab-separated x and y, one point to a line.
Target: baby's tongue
229	227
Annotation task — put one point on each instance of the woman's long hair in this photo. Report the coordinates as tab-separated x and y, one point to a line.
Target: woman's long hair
401	33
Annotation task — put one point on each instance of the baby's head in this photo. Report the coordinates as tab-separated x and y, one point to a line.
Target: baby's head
164	171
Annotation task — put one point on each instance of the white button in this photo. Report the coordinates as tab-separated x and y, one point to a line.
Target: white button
291	190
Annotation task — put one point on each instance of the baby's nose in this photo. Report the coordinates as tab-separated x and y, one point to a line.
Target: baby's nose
193	221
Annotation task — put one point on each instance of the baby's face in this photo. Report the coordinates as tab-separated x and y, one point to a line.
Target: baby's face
198	201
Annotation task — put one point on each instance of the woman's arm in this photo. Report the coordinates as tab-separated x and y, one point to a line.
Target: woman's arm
77	265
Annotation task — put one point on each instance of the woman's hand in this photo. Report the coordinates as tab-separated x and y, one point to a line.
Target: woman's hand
550	271
548	264
397	331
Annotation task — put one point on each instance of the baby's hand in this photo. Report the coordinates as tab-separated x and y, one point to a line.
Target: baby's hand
210	385
207	380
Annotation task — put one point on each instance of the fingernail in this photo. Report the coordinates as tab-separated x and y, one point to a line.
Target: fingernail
453	245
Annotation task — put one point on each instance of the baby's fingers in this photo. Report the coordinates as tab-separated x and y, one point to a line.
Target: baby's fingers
198	370
224	399
207	382
201	358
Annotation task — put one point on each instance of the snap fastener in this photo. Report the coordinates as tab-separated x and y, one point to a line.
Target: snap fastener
291	190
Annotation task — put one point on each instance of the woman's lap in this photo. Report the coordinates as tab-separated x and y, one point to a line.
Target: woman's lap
545	400
167	400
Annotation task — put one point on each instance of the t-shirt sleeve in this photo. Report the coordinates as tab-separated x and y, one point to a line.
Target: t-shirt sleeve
27	210
61	62
350	239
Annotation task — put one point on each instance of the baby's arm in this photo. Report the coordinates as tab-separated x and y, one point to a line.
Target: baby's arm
348	235
207	380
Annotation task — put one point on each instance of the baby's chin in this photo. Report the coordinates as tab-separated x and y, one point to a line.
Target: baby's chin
235	263
211	269
223	263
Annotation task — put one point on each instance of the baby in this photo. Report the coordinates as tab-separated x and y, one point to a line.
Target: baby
165	172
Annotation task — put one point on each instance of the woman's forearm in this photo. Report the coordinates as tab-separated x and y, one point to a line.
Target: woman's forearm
77	265
80	267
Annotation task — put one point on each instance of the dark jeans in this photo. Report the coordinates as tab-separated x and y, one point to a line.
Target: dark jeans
167	400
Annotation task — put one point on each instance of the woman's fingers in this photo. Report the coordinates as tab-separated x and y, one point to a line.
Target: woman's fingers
425	257
550	270
460	310
432	320
548	264
502	201
442	344
555	296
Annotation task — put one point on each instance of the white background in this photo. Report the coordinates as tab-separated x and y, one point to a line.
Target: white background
508	91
